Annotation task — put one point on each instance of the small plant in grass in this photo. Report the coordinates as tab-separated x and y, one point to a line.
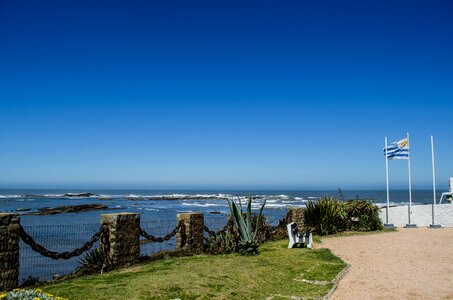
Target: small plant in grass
95	260
18	294
248	243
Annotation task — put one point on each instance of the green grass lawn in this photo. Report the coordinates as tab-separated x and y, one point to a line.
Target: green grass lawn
277	272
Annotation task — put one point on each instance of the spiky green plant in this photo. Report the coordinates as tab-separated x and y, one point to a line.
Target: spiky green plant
95	260
325	216
248	244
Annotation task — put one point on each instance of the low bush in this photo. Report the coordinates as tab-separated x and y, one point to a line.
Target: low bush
330	216
362	215
222	243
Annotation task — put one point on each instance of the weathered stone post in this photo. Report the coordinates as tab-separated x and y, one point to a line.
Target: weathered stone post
9	251
124	237
191	238
296	215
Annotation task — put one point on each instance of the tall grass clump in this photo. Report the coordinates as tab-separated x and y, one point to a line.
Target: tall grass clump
330	216
324	217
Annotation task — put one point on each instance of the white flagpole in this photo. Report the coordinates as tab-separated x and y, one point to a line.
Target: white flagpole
433	225
410	183
388	193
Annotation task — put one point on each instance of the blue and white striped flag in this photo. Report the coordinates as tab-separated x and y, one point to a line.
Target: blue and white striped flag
398	150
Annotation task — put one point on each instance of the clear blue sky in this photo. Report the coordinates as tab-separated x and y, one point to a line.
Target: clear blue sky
223	94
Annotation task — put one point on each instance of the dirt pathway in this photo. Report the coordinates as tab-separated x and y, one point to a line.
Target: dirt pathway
407	264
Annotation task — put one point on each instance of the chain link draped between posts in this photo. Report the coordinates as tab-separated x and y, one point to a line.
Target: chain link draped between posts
101	234
152	238
221	231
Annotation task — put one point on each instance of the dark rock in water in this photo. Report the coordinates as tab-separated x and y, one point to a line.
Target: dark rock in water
80	194
68	209
215	212
23	209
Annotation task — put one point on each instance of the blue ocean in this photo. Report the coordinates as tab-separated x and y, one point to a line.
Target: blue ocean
156	205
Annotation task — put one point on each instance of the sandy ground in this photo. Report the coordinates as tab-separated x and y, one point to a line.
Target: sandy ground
407	264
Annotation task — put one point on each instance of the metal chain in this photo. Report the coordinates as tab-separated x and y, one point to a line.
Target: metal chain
221	231
152	238
102	232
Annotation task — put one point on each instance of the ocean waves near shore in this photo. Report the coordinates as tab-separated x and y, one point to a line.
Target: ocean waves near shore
152	205
158	205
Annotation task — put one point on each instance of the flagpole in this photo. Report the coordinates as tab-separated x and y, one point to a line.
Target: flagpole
409	225
433	225
387	225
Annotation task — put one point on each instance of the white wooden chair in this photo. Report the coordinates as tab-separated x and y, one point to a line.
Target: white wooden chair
298	239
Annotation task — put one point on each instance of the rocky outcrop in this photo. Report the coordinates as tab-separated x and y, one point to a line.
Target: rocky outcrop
68	209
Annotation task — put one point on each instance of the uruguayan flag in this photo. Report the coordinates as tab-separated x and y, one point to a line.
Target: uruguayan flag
398	150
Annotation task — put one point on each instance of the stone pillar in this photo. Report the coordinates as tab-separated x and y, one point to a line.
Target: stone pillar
191	239
9	251
296	215
124	238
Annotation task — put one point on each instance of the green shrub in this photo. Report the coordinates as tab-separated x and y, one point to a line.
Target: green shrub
324	217
222	243
329	216
362	215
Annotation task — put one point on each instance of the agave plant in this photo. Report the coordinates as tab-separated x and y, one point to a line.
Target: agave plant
248	244
95	260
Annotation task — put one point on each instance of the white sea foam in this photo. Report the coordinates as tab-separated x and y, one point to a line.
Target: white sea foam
272	201
201	204
282	205
54	195
11	196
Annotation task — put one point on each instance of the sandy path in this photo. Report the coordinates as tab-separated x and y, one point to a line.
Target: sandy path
407	264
